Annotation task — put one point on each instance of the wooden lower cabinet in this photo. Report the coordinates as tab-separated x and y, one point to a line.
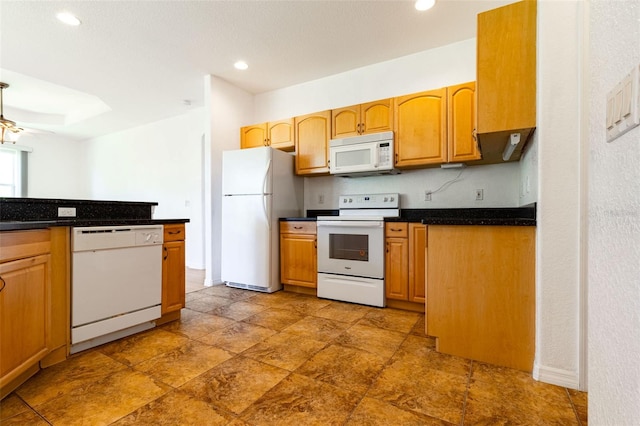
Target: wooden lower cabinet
25	305
173	272
405	262
298	252
481	293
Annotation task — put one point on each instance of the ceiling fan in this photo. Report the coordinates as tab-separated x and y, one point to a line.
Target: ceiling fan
9	131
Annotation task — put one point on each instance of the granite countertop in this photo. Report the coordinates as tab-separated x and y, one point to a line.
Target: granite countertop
508	216
38	213
16	225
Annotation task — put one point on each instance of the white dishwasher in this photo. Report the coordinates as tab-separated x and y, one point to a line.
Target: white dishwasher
116	282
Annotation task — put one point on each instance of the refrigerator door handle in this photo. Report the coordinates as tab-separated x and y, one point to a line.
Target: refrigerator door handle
264	178
266	213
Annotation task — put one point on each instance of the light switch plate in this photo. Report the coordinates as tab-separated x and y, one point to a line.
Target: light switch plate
623	105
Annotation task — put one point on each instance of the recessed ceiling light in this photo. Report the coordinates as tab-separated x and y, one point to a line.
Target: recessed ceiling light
68	18
422	5
241	65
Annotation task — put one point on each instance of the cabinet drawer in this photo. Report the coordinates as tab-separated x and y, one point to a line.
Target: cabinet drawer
396	229
21	244
174	232
295	227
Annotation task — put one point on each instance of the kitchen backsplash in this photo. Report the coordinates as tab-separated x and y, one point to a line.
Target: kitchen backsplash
499	184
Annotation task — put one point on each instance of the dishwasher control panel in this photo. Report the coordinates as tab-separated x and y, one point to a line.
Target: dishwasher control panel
87	238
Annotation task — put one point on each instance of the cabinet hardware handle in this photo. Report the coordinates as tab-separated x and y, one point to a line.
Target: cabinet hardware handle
166	254
358	128
474	134
4	284
297	227
174	232
396	158
395	229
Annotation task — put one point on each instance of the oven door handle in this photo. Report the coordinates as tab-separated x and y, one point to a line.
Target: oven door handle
350	224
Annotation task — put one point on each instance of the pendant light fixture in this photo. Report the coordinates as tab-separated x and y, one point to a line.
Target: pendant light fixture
9	131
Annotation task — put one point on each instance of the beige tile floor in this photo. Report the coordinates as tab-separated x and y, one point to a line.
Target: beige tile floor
244	358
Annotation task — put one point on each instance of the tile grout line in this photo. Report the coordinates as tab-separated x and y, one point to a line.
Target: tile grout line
573	406
466	393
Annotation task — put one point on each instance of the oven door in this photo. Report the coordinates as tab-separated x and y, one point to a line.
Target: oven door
350	247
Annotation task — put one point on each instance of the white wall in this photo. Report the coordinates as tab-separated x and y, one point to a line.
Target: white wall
227	108
559	197
160	162
57	167
614	223
431	69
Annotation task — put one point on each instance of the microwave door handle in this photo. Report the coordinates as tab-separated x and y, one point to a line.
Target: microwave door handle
376	156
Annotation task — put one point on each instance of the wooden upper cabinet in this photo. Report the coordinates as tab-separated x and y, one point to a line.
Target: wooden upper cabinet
280	134
371	117
461	122
420	126
253	136
345	121
506	68
312	133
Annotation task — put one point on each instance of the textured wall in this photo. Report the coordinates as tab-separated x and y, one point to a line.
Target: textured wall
614	224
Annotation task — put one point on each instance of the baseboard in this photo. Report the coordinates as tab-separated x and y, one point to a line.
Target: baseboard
556	376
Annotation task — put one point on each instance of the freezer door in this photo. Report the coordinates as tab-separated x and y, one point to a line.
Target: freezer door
246	239
246	171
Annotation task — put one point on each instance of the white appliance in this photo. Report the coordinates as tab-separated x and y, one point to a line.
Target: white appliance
116	282
364	155
258	187
351	249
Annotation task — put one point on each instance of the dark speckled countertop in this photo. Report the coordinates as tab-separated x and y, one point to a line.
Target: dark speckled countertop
509	216
39	213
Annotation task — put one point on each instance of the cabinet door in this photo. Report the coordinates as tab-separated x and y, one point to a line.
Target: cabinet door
417	262
345	121
173	271
397	268
298	265
280	134
376	116
312	143
253	136
462	143
420	128
24	314
506	68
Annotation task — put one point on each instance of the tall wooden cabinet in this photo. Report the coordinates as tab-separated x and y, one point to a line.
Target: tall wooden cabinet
370	117
481	292
312	134
298	254
506	75
173	272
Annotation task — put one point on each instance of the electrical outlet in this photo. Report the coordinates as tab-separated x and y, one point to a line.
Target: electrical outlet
66	212
321	199
479	194
427	195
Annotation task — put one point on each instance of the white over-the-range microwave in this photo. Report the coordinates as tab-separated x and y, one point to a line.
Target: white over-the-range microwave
364	155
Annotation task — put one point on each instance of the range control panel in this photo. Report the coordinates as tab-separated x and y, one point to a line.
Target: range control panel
370	201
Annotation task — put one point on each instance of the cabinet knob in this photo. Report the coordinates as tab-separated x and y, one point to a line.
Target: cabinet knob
166	254
4	284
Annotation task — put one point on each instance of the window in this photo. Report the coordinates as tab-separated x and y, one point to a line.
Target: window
13	172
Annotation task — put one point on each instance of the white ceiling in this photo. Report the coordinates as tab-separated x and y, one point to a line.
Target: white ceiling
135	62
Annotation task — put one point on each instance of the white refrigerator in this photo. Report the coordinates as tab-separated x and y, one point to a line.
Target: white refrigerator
258	188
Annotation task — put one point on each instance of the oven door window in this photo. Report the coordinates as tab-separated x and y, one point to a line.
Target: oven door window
349	247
